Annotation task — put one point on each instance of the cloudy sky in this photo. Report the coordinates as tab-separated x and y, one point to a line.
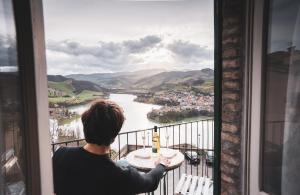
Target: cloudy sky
88	36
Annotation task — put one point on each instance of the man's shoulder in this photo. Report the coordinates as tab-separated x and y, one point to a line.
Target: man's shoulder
63	151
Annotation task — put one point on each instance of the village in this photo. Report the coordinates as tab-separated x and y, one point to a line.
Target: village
178	105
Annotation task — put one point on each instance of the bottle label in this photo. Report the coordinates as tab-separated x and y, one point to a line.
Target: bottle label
154	150
154	146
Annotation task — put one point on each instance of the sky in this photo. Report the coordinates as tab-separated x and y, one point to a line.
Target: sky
97	36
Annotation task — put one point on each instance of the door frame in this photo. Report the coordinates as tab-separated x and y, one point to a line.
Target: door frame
256	94
218	25
33	74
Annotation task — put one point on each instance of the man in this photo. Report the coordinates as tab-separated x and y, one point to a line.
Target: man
88	170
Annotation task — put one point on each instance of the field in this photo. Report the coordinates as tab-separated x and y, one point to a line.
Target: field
72	99
62	86
206	87
64	91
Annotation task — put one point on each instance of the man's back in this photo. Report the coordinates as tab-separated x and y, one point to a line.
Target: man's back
78	172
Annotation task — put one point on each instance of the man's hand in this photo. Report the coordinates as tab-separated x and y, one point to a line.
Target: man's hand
162	160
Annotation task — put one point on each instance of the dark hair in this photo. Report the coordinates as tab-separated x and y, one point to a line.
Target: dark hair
102	122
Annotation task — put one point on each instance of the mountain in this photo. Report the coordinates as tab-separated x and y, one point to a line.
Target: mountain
56	78
151	80
119	80
181	79
72	86
66	92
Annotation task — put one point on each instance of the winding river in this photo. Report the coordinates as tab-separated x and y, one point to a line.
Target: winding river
135	112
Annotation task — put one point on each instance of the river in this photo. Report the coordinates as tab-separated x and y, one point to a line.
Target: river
136	119
135	112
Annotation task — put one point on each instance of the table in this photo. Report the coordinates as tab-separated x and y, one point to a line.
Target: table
145	164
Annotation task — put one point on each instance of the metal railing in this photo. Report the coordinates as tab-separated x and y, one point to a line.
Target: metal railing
194	138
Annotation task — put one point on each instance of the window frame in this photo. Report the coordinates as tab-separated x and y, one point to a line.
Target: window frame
257	94
33	75
218	26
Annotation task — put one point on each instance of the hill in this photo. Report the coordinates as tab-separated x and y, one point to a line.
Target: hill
119	80
201	80
152	80
72	86
56	78
66	91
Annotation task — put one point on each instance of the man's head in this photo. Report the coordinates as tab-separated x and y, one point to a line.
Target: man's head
102	122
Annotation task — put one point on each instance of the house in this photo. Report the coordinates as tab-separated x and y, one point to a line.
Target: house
257	98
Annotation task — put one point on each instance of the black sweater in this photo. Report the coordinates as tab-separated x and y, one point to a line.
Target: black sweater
79	172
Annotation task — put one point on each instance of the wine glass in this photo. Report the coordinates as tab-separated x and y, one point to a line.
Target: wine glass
148	133
144	139
167	136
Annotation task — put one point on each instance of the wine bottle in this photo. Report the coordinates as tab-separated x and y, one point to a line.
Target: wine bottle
155	142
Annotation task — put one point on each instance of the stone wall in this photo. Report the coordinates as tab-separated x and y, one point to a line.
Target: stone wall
232	89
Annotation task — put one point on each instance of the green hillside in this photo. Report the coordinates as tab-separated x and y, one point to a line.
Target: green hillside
83	97
199	81
206	87
118	80
61	86
68	92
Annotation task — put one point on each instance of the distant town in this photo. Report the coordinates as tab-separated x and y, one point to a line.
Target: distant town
178	105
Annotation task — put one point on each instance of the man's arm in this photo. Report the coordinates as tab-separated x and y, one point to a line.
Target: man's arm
136	182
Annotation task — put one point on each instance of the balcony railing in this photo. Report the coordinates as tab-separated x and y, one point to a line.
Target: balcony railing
194	137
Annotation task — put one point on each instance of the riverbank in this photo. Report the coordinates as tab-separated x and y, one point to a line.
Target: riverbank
177	113
63	115
177	105
156	100
67	120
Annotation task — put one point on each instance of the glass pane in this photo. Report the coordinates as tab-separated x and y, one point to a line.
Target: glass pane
281	153
12	158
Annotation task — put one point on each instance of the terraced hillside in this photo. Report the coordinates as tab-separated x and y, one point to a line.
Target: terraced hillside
66	92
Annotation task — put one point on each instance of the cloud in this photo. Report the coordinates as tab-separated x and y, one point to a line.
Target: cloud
191	56
105	56
187	50
106	50
66	57
142	44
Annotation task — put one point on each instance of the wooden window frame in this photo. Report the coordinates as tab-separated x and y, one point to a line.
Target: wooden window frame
218	26
33	75
257	35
